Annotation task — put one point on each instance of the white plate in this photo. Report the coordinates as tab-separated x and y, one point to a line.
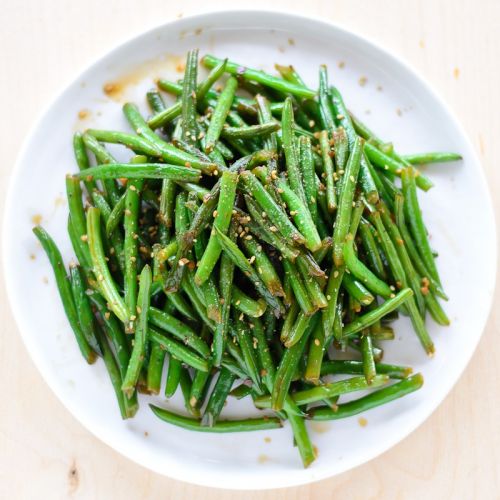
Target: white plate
458	213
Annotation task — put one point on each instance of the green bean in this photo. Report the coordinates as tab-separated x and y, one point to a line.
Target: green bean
389	249
188	99
250	131
141	171
178	329
435	310
331	195
308	177
341	148
169	153
434	157
263	265
299	289
241	332
237	256
419	327
412	250
371	317
83	309
383	161
178	350
265	116
301	438
131	250
219	114
232	365
357	290
361	272
114	331
365	178
260	77
301	216
288	366
369	369
173	376
103	157
260	228
332	293
229	181
372	400
155	101
240	104
127	409
199	388
134	142
218	397
115	216
314	289
346	199
141	333
155	369
212	300
328	390
226	275
345	367
315	355
268	370
290	319
411	275
82	160
290	150
165	116
221	426
326	115
77	214
77	245
298	329
414	216
371	250
105	282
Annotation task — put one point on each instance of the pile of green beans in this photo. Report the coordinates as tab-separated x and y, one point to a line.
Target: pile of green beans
255	246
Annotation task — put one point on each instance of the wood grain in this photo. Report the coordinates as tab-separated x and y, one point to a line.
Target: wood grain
45	453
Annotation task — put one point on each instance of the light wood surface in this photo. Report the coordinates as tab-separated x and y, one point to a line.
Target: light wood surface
45	453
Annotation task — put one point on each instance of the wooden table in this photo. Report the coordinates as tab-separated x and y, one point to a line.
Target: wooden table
45	453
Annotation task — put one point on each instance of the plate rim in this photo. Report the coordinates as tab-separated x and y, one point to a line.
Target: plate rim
206	16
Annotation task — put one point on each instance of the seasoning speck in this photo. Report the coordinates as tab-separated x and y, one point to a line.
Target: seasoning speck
291	41
36	219
83	114
267	439
341	65
399	112
111	89
456	73
262	459
32	256
362	81
362	422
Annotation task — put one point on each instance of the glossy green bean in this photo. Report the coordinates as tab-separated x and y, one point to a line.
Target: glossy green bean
260	77
372	400
221	426
371	317
141	333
